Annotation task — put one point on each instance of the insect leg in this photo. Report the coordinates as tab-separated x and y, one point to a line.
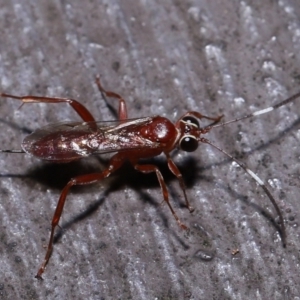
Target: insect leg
80	109
151	168
173	168
115	162
122	104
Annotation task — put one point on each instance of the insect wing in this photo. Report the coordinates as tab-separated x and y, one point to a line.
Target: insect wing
66	141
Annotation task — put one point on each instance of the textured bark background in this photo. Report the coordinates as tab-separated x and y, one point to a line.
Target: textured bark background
230	57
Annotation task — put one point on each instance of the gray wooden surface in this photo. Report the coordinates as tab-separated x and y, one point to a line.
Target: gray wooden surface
215	57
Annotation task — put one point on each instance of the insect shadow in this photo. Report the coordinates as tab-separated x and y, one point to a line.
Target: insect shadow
22	129
55	176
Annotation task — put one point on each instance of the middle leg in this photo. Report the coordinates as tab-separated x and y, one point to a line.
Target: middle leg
152	168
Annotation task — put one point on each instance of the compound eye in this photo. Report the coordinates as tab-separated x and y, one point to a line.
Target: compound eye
191	120
189	143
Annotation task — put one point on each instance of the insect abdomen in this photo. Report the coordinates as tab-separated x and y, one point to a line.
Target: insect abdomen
58	146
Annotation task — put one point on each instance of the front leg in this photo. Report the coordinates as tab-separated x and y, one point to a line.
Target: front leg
173	168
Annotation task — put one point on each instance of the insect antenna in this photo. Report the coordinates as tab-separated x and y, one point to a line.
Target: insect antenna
259	182
12	151
244	167
259	112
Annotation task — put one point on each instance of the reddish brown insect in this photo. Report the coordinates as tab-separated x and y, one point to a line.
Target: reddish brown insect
131	140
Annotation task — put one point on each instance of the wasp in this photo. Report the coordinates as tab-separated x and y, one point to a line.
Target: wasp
129	140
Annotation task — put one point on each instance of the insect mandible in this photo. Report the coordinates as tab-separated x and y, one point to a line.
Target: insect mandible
130	140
